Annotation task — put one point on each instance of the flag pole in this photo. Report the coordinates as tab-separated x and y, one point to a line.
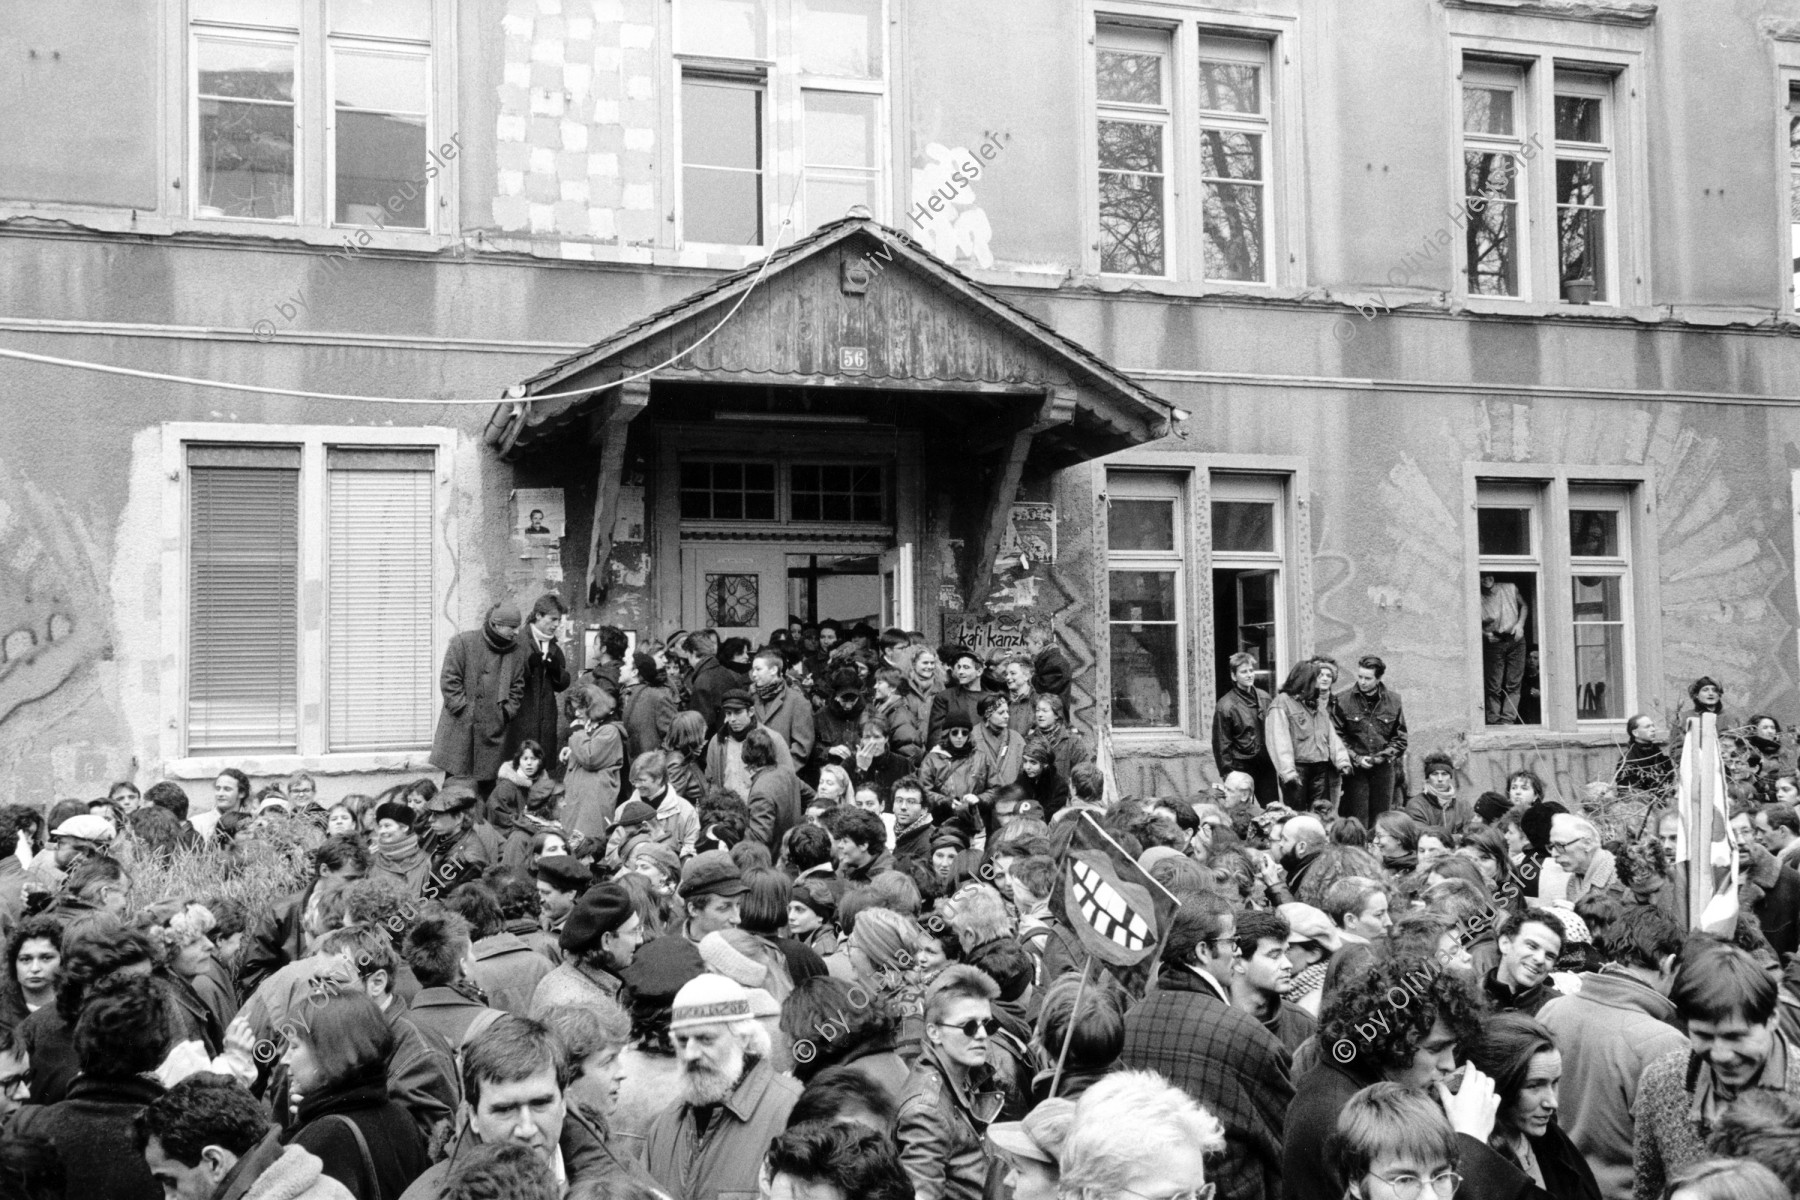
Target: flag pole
1069	1029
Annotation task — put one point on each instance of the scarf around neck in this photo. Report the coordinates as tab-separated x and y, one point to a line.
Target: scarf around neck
398	850
497	643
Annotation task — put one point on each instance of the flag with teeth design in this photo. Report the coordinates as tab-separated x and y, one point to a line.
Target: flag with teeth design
1116	910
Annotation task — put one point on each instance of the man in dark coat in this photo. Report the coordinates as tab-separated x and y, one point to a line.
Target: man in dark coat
1237	734
121	1038
961	696
1187	1031
546	674
1373	725
483	683
710	681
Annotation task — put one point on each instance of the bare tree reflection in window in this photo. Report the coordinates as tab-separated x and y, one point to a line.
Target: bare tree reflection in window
1131	198
1490	186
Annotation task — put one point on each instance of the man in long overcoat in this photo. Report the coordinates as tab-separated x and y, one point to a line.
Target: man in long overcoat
483	682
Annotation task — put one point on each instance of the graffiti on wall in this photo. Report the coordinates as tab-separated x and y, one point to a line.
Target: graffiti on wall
52	602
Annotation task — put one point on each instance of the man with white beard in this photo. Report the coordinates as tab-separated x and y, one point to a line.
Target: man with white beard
712	1141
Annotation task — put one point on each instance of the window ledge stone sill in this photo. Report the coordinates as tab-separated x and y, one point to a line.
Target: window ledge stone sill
1604	735
1156	743
370	762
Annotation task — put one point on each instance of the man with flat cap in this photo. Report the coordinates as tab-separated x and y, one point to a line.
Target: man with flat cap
483	684
599	941
461	847
709	891
561	878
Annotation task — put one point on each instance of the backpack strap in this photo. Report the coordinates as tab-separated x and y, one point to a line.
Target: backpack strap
373	1190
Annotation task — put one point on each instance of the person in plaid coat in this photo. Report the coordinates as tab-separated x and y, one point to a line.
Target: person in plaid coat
1186	1030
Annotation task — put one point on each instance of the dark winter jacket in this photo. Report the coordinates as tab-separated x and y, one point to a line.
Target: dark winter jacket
546	674
707	688
397	1150
508	970
1372	725
953	700
727	1157
482	692
940	1130
92	1131
648	713
778	802
1237	738
1226	1060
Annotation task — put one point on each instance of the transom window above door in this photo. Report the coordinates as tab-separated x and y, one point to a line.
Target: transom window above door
785	492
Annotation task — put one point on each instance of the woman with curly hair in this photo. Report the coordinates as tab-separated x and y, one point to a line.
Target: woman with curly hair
1400	1021
685	748
33	968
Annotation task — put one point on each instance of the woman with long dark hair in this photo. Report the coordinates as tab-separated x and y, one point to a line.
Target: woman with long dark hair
1397	841
685	748
1520	1056
1303	743
33	967
649	709
336	1061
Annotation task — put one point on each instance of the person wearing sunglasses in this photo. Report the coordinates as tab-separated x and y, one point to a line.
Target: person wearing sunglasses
1134	1136
1394	1143
950	1097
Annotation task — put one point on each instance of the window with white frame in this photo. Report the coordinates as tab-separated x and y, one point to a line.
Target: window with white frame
753	136
1184	109
1509	520
268	523
1556	617
1493	162
1132	85
1146	571
1793	114
1249	574
1584	156
1234	139
1600	601
1508	248
313	112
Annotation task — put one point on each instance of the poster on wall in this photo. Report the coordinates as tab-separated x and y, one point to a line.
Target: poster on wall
628	523
537	519
1030	537
988	634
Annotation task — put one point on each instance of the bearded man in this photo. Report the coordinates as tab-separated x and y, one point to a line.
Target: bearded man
711	1142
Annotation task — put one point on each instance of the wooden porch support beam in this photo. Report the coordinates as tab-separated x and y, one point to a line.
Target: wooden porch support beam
608	427
1058	408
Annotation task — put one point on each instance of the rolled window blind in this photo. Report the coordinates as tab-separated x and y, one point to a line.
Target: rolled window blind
243	598
381	681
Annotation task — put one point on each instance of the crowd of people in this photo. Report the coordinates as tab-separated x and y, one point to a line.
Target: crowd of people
705	921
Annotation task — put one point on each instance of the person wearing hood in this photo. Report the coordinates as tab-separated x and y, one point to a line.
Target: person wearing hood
398	856
837	725
546	676
596	758
1618	1023
955	777
483	684
1645	766
962	695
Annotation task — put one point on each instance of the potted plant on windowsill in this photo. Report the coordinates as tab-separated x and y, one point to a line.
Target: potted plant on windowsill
1579	291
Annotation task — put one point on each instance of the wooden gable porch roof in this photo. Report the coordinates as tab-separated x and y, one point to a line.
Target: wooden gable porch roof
923	325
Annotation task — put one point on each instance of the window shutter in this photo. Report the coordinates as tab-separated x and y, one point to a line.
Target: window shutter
381	684
243	598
